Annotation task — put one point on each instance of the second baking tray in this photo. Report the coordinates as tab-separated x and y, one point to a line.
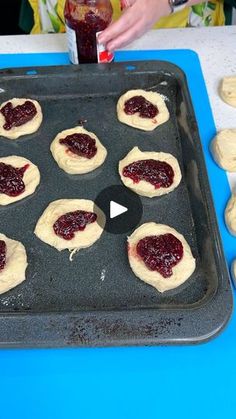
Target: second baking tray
96	300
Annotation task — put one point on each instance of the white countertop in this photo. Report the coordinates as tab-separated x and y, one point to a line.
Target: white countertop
216	47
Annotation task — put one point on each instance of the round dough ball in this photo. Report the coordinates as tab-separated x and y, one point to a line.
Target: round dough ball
223	148
181	272
228	90
28	128
13	272
82	239
146	124
233	272
145	188
31	178
230	215
72	163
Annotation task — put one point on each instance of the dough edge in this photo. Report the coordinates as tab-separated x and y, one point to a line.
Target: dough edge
13	273
228	84
221	150
230	215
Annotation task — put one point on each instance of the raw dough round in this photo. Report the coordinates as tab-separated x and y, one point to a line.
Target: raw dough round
146	124
145	188
82	239
27	128
233	272
181	272
31	178
72	163
16	263
223	148
230	215
228	90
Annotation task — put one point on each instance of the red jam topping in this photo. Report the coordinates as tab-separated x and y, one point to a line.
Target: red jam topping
19	115
11	179
160	253
81	144
159	173
87	18
138	104
3	250
69	223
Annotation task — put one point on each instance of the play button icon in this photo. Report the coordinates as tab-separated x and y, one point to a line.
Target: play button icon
116	209
122	208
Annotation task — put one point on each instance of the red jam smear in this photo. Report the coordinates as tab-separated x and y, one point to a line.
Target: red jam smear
160	253
19	115
159	173
11	179
3	251
138	104
87	18
81	144
69	223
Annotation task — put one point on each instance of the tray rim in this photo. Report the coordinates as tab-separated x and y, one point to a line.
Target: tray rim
178	73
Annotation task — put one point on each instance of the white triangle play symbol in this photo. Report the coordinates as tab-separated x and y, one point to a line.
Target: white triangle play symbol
116	209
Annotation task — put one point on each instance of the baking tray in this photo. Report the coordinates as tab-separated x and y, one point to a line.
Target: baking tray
96	300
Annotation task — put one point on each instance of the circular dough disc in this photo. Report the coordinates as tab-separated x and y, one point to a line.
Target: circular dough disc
16	263
233	272
181	272
223	148
31	178
72	163
146	124
28	128
228	90
230	215
82	239
145	188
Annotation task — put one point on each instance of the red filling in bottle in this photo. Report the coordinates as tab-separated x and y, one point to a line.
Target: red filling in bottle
84	20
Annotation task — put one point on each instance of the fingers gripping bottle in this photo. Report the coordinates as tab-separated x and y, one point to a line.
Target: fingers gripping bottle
85	19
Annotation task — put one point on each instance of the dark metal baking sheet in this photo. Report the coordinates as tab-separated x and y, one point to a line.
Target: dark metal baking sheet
96	300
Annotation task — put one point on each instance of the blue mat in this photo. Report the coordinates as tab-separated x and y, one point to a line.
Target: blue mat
130	383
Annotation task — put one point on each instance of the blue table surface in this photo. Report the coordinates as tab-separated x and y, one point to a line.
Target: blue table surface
129	383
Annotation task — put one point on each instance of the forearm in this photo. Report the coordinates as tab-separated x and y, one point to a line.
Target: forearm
138	16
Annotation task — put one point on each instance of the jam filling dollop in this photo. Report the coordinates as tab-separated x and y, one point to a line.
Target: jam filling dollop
160	253
81	144
11	179
69	223
138	104
159	173
3	250
19	115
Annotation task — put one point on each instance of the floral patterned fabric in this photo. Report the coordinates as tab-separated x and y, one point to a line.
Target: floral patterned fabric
48	15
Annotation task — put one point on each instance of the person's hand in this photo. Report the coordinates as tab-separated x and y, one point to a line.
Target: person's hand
137	18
